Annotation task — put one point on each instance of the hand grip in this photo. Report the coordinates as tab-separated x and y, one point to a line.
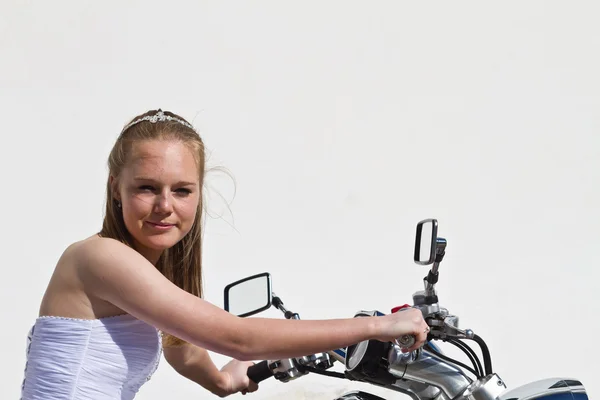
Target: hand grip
406	341
259	372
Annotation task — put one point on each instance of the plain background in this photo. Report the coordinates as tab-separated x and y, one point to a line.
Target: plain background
343	124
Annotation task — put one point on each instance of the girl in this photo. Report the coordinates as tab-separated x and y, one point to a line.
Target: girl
119	297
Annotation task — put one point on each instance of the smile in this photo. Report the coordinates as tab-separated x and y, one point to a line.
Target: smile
159	226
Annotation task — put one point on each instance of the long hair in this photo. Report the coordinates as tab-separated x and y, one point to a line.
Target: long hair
182	263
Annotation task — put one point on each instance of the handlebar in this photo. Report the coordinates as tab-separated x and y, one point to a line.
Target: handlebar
291	368
406	341
259	372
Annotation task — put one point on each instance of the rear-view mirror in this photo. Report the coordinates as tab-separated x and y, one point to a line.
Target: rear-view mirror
425	242
249	295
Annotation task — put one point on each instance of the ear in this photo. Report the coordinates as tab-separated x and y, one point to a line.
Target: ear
114	187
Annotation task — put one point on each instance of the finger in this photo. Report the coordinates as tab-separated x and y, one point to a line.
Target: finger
253	386
420	335
426	330
424	334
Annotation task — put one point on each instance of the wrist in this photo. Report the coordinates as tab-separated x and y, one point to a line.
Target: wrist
222	384
376	327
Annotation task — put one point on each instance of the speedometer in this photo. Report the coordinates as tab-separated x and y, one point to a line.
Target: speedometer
355	354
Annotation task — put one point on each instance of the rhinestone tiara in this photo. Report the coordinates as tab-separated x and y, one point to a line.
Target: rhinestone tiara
160	116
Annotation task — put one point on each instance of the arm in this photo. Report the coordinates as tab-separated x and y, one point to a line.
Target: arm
195	364
118	274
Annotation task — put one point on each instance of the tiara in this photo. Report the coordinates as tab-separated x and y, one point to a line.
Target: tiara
160	116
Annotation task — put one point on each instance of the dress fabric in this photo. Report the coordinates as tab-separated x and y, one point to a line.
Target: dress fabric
100	359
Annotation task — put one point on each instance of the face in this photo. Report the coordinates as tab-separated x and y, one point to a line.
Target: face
159	194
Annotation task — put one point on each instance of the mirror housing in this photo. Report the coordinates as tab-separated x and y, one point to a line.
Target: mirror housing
249	295
425	242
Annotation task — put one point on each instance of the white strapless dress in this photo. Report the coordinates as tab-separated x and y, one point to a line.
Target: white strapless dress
101	359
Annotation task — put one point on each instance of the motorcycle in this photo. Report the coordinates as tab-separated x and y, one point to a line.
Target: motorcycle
423	374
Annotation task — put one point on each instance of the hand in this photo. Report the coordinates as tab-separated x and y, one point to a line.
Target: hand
404	322
236	377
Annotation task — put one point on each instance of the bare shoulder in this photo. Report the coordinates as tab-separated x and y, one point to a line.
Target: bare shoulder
86	248
66	294
96	248
104	259
114	272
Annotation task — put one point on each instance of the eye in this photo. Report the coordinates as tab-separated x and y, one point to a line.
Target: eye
183	192
146	188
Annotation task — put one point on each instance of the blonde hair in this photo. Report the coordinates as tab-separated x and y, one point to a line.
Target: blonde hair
182	263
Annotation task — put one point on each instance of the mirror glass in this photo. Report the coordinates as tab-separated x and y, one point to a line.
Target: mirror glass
425	242
426	232
249	295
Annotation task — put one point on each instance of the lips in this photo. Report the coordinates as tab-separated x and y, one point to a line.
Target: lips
160	224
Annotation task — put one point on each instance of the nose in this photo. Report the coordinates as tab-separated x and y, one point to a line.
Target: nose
163	204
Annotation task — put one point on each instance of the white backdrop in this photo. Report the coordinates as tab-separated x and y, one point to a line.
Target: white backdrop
343	123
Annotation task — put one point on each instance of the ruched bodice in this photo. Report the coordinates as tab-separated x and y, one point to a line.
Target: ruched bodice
100	359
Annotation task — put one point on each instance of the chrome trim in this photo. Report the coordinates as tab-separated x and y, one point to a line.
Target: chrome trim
431	370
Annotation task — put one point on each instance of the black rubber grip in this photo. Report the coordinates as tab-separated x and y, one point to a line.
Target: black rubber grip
259	372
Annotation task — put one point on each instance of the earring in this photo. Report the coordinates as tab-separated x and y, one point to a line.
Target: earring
119	204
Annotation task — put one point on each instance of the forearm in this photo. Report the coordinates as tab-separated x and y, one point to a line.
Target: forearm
275	338
249	339
194	363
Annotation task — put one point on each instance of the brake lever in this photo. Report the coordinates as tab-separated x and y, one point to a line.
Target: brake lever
447	327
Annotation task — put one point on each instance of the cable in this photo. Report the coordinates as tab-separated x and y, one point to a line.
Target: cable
450	360
487	359
465	347
303	368
470	353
